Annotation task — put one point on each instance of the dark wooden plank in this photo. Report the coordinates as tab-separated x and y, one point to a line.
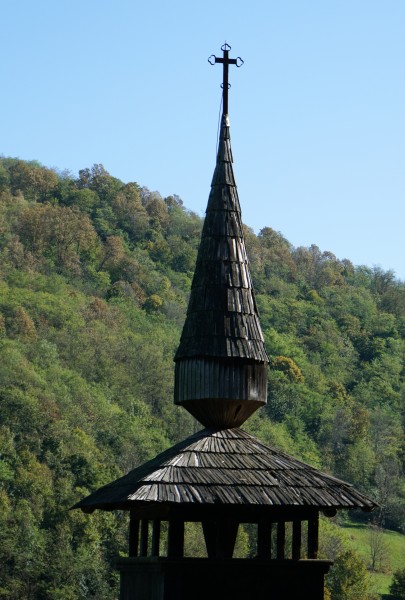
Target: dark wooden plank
156	537
296	541
280	540
313	536
264	533
144	537
133	534
175	547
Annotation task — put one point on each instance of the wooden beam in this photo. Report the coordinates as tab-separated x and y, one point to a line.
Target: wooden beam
133	534
296	541
281	540
144	537
264	529
220	537
156	537
175	546
210	538
313	536
196	512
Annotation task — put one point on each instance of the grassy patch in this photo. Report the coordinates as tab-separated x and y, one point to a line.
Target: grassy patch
393	552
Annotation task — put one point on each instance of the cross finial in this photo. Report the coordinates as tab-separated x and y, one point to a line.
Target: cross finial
226	61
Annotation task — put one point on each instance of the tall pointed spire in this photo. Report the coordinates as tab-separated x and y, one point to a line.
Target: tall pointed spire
221	363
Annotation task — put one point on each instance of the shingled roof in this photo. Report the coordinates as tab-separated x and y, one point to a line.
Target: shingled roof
222	317
226	467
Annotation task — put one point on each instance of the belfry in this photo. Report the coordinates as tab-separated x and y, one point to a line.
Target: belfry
222	477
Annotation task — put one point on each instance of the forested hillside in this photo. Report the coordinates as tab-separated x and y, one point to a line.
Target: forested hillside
94	281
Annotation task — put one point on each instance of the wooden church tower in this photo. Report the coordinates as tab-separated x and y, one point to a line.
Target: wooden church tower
221	476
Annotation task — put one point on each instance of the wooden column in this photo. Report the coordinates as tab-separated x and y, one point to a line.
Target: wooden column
175	546
133	534
144	537
156	537
210	537
264	539
220	537
296	541
281	540
313	536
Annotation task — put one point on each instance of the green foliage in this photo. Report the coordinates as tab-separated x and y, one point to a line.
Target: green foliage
62	234
349	578
36	182
397	587
287	366
390	553
95	275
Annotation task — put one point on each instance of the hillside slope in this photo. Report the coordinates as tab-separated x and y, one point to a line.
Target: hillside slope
94	282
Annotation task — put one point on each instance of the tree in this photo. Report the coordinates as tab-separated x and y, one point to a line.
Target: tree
57	232
100	181
153	303
86	200
35	182
22	324
397	587
131	215
277	254
289	368
157	210
378	547
348	579
4	177
113	253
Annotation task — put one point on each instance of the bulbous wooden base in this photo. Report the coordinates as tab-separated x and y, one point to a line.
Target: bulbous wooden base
220	393
220	413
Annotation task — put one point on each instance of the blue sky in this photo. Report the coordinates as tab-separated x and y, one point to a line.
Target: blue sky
317	111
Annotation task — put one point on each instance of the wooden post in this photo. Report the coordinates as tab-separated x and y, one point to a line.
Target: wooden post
210	538
313	535
175	546
133	534
228	533
156	537
281	540
144	537
220	537
296	541
264	539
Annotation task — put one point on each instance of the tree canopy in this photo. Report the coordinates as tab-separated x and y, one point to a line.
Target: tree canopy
94	281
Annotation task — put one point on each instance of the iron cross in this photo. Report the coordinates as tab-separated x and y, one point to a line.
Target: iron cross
225	61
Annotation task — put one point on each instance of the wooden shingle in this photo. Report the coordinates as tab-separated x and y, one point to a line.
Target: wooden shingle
229	467
222	298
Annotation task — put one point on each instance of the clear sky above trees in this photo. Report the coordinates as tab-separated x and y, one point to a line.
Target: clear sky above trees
317	111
